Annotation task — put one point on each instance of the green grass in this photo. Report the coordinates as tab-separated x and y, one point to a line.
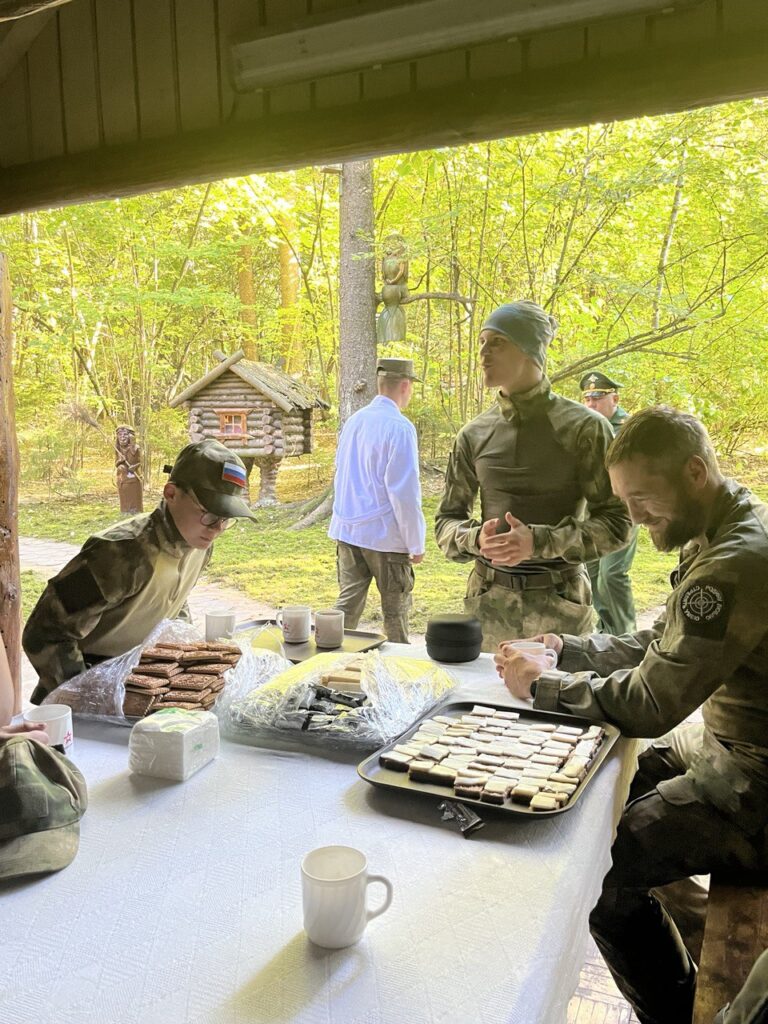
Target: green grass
278	566
32	586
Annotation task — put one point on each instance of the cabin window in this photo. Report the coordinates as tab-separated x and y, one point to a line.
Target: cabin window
233	424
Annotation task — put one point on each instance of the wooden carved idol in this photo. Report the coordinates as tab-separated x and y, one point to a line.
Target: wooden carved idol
390	325
127	466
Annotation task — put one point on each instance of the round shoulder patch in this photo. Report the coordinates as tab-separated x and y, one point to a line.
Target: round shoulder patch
702	602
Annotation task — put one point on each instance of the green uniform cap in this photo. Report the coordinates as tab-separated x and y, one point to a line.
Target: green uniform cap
215	475
42	798
595	385
402	368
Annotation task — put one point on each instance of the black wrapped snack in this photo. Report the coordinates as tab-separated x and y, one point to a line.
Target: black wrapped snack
454	638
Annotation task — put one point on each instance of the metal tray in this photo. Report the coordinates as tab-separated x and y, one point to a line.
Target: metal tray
355	641
377	775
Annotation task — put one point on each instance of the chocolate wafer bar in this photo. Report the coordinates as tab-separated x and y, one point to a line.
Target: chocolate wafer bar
137	704
140	682
197	657
212	669
194	681
192	696
161	653
165	669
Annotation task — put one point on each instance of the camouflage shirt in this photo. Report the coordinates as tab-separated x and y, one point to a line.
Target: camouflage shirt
540	457
108	598
710	647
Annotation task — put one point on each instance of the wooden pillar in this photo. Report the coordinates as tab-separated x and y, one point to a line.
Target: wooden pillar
10	588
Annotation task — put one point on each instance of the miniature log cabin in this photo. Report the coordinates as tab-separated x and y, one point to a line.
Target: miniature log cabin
257	410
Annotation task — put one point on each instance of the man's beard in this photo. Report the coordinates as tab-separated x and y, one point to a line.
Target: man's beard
689	522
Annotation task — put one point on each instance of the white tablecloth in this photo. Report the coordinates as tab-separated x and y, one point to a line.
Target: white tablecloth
183	905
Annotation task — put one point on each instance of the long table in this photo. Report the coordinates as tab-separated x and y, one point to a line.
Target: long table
183	905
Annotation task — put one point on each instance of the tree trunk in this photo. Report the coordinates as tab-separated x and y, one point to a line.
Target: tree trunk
290	319
10	584
247	292
357	290
357	304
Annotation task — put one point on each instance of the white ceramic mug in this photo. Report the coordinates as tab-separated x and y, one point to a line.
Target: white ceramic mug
57	719
537	649
219	626
334	882
329	628
296	623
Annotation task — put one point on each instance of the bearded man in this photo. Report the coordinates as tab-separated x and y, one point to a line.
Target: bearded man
700	799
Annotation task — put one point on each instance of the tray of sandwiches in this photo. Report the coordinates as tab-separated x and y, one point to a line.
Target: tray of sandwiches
523	762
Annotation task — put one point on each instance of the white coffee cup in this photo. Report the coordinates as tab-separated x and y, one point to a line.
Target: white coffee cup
57	719
219	626
334	882
535	648
329	628
296	623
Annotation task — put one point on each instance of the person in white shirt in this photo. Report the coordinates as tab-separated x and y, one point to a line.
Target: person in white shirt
377	521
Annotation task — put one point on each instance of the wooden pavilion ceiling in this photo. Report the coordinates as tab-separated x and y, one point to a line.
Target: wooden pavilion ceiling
111	97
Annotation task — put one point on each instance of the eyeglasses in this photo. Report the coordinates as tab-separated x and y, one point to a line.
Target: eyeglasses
208	518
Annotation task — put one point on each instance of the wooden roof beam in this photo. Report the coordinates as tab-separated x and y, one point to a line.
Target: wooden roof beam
645	82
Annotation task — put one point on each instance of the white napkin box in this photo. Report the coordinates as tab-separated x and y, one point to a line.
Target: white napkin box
173	743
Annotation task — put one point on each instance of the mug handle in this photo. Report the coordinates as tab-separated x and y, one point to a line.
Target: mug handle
552	655
279	619
370	914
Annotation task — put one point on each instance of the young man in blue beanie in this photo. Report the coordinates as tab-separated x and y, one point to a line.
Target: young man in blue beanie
546	507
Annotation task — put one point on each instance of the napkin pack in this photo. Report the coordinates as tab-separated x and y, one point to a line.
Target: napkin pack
173	743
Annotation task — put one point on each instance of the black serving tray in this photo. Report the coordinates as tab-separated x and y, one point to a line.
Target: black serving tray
372	771
355	641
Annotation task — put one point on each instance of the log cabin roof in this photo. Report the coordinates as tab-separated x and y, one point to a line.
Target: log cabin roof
284	391
104	98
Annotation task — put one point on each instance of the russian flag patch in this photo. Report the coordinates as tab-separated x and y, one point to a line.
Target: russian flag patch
233	474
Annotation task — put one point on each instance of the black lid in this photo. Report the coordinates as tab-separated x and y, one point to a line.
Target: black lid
455	629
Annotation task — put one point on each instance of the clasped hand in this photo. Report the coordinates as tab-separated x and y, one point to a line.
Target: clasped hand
509	548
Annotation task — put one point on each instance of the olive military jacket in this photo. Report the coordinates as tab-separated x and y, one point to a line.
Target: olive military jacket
710	647
109	597
540	457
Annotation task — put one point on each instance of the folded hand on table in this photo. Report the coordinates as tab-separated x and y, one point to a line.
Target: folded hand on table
30	730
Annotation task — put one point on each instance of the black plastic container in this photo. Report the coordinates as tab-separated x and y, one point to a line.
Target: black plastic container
454	638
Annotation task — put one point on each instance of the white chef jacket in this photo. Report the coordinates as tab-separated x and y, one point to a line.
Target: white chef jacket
377	500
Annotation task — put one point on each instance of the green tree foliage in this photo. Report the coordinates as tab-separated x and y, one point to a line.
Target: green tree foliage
648	240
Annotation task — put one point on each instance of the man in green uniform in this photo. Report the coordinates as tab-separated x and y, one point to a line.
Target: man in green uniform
131	576
546	507
609	575
700	799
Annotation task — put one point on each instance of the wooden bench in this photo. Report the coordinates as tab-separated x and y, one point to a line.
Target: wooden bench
735	935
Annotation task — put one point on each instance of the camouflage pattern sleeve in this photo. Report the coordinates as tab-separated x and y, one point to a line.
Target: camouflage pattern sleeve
607	525
603	653
102	575
455	529
715	618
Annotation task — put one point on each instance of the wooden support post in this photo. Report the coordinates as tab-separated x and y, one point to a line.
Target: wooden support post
736	934
10	585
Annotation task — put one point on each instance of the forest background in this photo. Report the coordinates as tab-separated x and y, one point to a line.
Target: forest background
647	239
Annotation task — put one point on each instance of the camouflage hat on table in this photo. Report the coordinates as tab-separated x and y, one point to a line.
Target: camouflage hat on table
42	798
396	368
595	385
215	475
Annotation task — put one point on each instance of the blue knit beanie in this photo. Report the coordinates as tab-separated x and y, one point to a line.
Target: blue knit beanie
526	325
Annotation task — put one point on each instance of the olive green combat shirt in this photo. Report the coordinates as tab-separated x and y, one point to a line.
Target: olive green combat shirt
710	647
541	457
124	581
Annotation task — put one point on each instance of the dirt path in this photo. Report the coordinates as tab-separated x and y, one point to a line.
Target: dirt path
48	556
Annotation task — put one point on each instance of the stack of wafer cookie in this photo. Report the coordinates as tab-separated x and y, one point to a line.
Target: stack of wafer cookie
175	675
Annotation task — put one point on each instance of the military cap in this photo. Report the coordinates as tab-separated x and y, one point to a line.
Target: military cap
595	385
216	477
402	368
526	325
42	798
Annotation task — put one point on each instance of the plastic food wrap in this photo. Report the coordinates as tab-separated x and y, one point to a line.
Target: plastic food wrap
299	705
99	692
173	743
